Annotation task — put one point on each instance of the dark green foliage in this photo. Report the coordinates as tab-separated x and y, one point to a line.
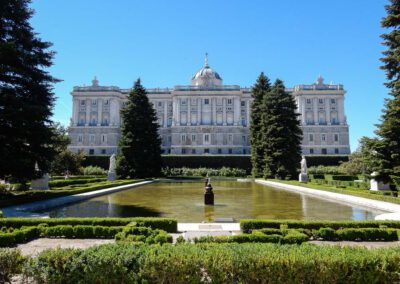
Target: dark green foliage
80	231
248	225
17	236
98	161
11	263
140	143
26	95
258	92
202	172
281	132
341	177
133	233
60	183
326	160
167	224
357	234
388	148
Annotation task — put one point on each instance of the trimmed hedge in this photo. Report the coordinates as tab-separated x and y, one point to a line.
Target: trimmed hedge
215	263
248	225
134	233
80	231
60	183
357	234
326	160
18	236
167	224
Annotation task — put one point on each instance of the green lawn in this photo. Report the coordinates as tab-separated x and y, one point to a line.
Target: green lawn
348	190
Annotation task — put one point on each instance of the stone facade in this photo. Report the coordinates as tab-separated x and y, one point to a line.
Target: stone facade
206	117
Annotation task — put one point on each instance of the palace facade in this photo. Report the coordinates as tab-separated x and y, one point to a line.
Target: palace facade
206	117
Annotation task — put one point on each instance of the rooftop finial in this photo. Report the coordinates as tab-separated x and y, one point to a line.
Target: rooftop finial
206	60
95	82
320	80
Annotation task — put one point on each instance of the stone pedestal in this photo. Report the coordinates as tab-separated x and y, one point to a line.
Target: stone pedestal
378	185
40	183
303	178
112	176
209	195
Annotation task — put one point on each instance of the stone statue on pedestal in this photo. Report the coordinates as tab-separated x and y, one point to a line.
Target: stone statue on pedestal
209	194
40	183
303	176
112	175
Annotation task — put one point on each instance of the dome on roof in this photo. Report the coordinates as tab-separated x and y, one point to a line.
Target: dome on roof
206	76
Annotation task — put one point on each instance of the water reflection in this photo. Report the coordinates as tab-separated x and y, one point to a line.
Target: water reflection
237	200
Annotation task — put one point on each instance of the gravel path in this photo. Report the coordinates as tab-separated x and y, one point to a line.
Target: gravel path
36	246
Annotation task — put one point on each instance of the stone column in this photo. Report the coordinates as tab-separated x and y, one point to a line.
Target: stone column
178	111
302	107
248	113
315	108
214	111
236	109
174	113
75	115
88	106
198	111
224	111
99	112
328	111
188	113
165	114
340	108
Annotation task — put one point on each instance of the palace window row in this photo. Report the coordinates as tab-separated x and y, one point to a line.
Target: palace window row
323	136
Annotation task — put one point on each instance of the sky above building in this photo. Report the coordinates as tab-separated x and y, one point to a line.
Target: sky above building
164	42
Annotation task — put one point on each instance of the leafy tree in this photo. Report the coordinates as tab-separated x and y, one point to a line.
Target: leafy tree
258	92
65	160
26	95
282	134
389	128
140	144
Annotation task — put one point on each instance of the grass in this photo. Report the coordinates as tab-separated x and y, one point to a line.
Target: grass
19	197
348	190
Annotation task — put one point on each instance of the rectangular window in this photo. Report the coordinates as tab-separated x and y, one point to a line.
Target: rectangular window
106	102
311	137
183	138
183	101
206	101
229	101
336	137
230	138
159	104
336	151
243	103
230	150
308	101
91	138
169	139
244	139
83	103
333	101
323	137
103	151
320	101
207	138
183	151
219	151
80	138
244	151
206	151
193	151
104	138
193	137
94	102
91	151
311	151
323	151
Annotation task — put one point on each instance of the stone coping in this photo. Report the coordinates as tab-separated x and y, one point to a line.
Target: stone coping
25	210
355	200
208	227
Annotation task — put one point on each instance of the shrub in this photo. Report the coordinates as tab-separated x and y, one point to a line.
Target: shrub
11	263
16	236
322	170
367	234
65	231
1	214
133	233
327	234
326	160
93	170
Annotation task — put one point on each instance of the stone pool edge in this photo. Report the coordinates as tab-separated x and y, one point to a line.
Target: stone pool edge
375	204
27	208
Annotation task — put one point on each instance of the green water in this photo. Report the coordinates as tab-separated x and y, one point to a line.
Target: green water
237	200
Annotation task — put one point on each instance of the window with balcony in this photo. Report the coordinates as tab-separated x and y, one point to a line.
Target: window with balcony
206	101
320	101
243	103
83	103
229	101
308	101
333	101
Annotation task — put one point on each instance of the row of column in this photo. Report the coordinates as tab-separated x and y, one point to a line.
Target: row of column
213	105
339	109
114	111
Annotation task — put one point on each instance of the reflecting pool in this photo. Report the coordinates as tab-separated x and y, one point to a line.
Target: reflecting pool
237	200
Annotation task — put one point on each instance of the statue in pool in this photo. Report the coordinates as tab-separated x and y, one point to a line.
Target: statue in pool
209	194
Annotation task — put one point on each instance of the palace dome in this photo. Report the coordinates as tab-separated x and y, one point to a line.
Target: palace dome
206	76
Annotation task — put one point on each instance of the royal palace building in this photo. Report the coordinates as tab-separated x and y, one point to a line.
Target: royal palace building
206	117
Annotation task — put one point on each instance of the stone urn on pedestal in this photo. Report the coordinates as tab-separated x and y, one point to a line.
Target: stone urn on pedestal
208	194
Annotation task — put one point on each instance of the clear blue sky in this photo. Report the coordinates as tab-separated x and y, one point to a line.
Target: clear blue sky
163	43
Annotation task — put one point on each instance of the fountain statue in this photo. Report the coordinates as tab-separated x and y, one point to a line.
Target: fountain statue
303	176
112	175
209	194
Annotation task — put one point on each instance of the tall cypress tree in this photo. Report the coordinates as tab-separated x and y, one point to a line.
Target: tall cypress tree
260	89
281	133
389	128
26	94
140	143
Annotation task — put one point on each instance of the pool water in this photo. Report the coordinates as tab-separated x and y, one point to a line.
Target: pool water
233	200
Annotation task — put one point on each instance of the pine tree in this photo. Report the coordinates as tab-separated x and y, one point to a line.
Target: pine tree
26	95
389	128
140	144
260	89
282	134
